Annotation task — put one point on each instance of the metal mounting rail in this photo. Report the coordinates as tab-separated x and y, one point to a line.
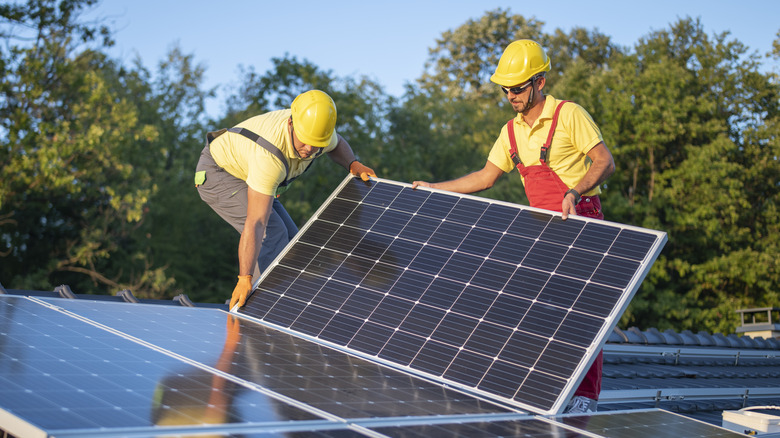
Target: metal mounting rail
658	395
678	352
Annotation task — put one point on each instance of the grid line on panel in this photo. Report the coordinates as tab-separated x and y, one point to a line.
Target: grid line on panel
499	298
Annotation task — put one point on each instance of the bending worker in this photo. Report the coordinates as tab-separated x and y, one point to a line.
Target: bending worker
558	150
242	171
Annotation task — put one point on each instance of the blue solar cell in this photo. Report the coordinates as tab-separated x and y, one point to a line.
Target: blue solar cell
409	200
437	205
632	244
497	217
363	216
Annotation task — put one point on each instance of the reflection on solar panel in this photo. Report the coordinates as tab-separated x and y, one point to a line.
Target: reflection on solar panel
501	300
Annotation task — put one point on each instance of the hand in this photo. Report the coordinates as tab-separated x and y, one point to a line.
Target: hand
358	169
241	291
568	206
420	184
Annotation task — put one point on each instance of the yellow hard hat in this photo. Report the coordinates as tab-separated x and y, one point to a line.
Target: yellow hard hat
314	118
521	60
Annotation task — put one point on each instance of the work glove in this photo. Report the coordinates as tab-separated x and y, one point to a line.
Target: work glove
241	291
358	169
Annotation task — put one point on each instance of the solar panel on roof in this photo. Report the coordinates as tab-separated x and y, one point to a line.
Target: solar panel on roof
96	368
491	297
104	369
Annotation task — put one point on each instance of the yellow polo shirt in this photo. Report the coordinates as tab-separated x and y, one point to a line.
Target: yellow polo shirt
248	161
575	134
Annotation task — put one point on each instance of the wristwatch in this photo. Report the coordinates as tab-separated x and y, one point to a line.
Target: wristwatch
576	194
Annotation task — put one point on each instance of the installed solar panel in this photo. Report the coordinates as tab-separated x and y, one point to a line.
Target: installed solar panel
500	299
95	368
77	368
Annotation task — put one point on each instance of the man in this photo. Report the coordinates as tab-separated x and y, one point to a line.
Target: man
559	152
242	171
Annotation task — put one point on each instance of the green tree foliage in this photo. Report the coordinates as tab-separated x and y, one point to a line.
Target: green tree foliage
98	158
87	147
691	123
180	231
448	122
71	190
688	116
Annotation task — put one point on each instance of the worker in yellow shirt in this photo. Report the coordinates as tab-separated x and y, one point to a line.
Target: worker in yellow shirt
559	152
242	171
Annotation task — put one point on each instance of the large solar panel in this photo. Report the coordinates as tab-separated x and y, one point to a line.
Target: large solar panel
81	368
96	368
500	300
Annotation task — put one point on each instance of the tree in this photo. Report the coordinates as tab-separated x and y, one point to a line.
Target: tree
689	117
177	221
450	119
65	174
82	158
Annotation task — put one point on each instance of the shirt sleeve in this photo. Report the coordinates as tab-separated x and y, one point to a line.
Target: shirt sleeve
584	132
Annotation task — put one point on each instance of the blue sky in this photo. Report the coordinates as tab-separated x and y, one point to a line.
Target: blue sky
387	41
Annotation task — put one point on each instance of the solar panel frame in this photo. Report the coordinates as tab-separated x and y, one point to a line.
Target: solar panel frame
551	248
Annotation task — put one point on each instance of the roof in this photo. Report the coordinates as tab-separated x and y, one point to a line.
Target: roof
698	375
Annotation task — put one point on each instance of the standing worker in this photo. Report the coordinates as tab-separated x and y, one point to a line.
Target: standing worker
559	152
242	171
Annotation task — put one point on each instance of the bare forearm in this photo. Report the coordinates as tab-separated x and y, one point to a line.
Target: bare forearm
470	183
482	179
597	174
249	248
342	154
602	167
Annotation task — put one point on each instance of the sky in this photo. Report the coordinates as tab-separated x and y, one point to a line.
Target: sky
387	41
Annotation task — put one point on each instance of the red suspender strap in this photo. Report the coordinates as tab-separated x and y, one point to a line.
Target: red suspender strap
543	154
510	126
546	146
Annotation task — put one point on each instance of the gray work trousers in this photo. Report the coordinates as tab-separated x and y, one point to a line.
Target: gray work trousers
227	196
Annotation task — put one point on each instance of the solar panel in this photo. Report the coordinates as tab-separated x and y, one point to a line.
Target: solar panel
497	299
65	376
95	368
76	368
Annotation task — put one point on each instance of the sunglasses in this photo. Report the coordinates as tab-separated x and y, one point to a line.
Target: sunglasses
516	90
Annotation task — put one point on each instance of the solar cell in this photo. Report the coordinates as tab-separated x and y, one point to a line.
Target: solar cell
494	298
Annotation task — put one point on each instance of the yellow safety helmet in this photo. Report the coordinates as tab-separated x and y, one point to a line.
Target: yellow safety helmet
314	118
521	60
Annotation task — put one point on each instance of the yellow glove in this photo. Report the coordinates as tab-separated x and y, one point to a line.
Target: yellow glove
241	292
358	169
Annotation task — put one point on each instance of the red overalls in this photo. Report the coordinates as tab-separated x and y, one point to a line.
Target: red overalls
544	189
